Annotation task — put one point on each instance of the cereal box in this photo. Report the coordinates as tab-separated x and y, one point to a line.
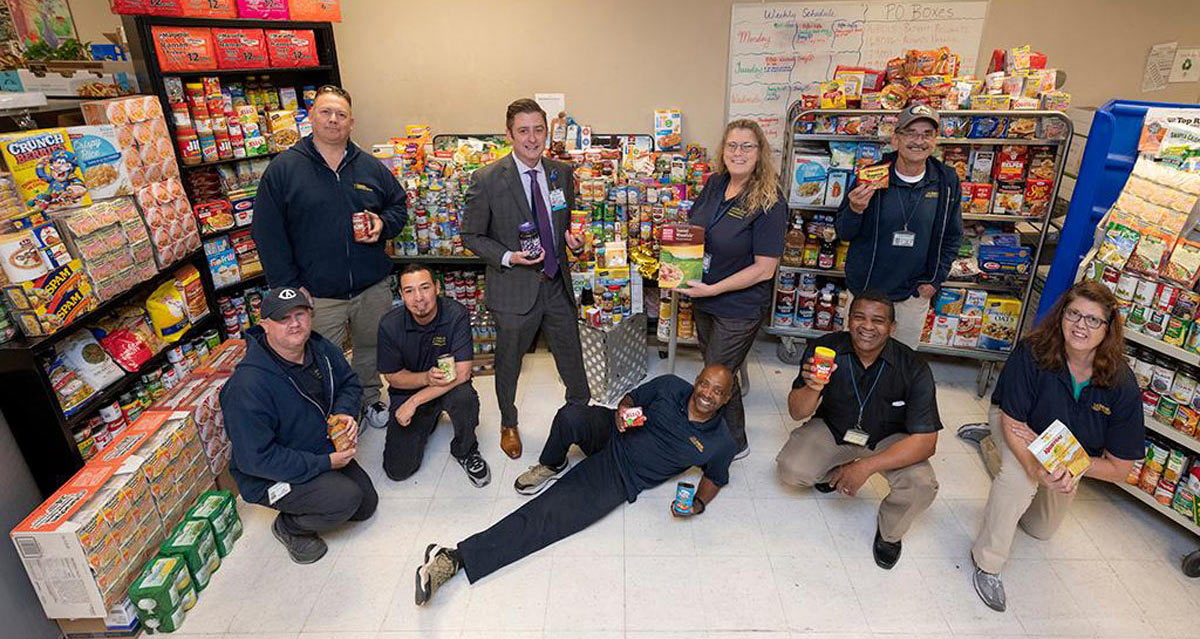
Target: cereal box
970	320
1000	317
292	47
682	255
240	48
184	48
105	171
283	130
1057	448
943	330
45	169
668	129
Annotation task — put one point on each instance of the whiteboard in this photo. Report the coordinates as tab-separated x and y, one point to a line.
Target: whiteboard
778	49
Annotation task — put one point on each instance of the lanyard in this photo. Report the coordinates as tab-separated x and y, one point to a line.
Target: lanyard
904	209
862	403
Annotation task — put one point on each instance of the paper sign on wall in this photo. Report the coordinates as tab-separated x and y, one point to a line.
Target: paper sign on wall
1186	67
1158	66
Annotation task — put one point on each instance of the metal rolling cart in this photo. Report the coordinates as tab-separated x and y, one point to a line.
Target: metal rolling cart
1036	226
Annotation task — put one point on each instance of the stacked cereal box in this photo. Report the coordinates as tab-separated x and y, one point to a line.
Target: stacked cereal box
150	160
970	318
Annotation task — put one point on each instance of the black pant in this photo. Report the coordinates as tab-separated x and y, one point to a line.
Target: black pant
404	446
327	501
555	314
583	496
725	340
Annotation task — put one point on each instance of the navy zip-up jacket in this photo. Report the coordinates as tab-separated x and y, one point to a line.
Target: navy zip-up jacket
872	263
302	220
278	432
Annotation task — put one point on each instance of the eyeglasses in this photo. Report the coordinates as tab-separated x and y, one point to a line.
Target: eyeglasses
1091	321
917	135
744	147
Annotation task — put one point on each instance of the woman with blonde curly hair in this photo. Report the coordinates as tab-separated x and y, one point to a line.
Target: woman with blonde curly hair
744	215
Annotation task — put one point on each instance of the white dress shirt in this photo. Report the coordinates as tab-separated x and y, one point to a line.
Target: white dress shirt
522	172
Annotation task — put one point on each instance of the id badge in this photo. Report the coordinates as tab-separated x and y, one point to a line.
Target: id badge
856	436
904	239
558	201
707	261
278	491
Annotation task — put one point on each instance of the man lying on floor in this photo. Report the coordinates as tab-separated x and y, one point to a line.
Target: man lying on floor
684	427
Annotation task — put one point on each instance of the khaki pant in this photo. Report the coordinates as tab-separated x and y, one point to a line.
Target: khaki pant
811	454
360	315
1015	500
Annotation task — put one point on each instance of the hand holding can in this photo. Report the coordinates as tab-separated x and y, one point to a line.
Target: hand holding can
685	493
339	433
446	364
821	365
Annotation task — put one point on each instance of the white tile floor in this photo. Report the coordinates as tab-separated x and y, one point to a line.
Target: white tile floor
764	562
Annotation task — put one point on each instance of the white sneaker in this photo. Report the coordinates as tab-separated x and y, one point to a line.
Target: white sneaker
376	414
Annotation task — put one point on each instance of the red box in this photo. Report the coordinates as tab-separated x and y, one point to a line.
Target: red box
147	7
240	48
263	9
316	10
208	8
184	48
292	47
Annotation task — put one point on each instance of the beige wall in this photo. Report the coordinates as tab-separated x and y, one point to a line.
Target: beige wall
455	64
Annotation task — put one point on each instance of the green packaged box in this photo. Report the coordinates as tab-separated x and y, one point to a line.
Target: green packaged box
164	622
194	541
158	588
218	508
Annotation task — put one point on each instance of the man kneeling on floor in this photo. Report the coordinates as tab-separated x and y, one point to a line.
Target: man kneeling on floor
277	405
415	341
683	427
875	413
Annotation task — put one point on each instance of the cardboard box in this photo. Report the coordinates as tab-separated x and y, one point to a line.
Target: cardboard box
682	256
970	320
809	176
668	129
1000	317
1057	447
289	48
240	48
97	628
46	304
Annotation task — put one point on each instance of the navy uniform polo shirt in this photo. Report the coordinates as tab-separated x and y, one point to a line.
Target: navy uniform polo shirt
1101	419
405	345
733	236
669	443
904	399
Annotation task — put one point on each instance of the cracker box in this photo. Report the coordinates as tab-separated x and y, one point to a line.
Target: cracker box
682	257
1000	317
184	48
194	541
292	48
46	169
101	160
263	9
240	48
217	507
1057	448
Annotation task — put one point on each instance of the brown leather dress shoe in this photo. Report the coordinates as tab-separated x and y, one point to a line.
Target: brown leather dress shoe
510	441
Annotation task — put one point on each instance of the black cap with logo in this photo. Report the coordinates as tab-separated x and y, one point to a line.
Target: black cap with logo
279	301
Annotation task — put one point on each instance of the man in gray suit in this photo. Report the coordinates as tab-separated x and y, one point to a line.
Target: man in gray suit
526	291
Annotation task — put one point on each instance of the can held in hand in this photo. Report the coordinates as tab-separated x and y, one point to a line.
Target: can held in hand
361	222
446	364
339	433
530	242
685	492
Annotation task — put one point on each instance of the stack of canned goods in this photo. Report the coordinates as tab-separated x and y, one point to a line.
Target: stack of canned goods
240	312
1170	390
1157	309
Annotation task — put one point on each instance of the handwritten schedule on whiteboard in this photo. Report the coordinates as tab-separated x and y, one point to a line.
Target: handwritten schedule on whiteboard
777	50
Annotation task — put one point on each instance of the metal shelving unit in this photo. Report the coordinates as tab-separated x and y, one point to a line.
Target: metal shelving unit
797	117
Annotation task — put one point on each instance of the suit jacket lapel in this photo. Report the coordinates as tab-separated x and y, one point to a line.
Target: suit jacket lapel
515	187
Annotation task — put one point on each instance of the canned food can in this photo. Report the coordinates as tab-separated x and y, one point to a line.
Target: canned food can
1145	293
1149	401
1176	331
1166	409
685	494
211	338
1126	286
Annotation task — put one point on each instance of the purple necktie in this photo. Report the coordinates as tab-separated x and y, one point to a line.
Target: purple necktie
545	228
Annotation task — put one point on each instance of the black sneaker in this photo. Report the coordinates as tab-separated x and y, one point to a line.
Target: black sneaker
822	487
304	549
887	553
440	565
477	469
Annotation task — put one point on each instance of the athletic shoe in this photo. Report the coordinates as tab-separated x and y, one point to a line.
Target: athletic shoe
742	452
477	469
303	549
974	432
538	478
990	589
823	487
440	565
376	414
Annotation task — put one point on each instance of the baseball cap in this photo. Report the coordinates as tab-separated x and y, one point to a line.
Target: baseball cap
916	112
278	301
